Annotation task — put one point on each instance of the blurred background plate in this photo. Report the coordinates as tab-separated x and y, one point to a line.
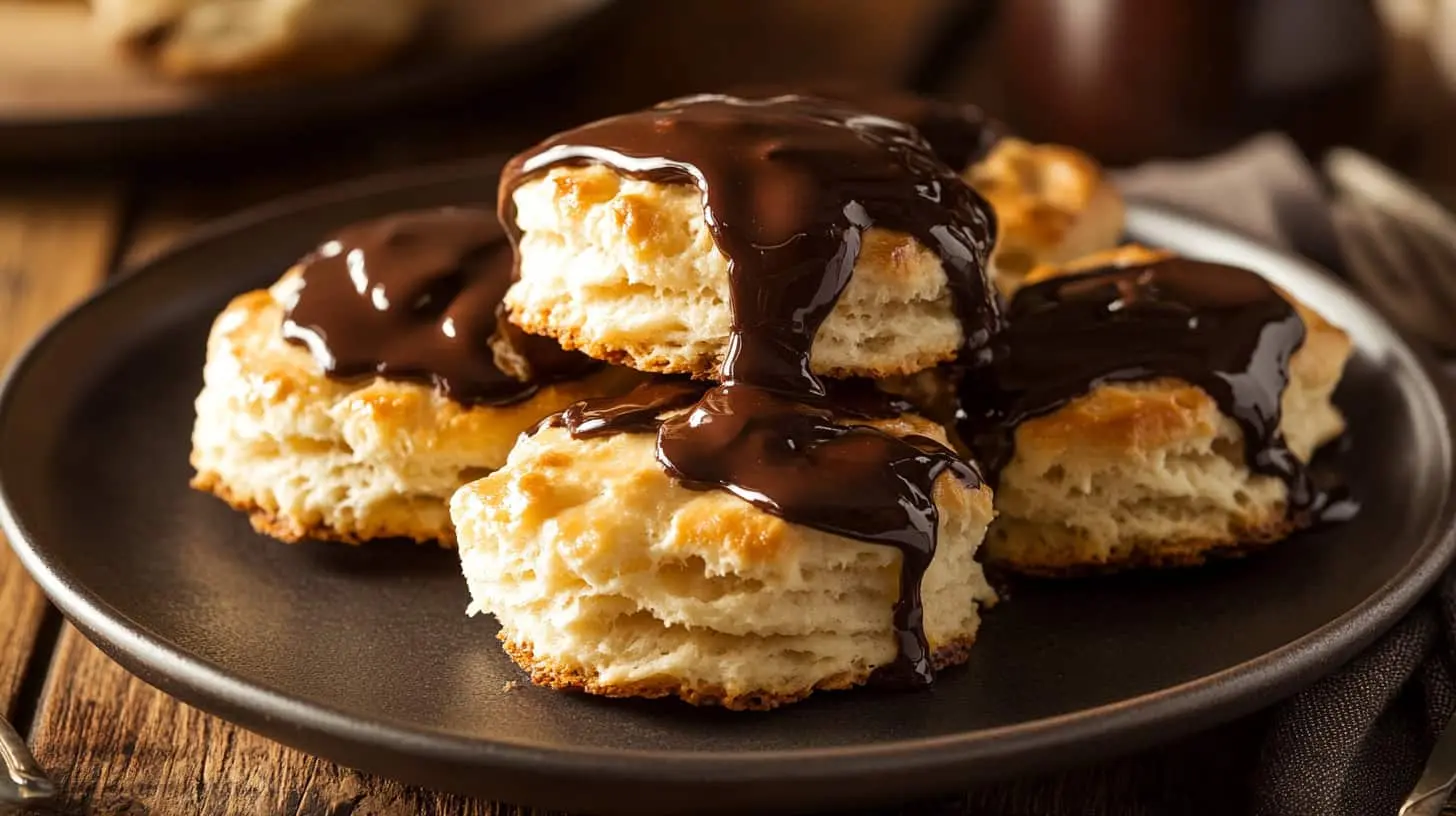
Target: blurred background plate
65	94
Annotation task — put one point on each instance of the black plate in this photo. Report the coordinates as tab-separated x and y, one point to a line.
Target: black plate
365	655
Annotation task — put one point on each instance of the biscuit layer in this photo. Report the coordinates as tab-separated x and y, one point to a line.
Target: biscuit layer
608	576
626	271
1152	473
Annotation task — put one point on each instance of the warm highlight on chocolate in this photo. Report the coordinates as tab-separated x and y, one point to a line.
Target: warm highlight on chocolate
959	133
1221	328
416	296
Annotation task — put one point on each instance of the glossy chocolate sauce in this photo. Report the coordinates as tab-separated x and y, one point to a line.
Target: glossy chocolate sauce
959	133
790	184
798	462
1221	328
416	296
636	411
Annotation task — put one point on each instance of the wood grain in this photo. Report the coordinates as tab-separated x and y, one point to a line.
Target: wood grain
118	746
56	243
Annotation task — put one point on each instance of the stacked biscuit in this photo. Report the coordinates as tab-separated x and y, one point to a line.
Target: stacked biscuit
609	575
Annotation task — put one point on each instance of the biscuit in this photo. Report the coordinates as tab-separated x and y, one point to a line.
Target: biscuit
608	576
627	271
306	456
1052	203
1152	473
230	39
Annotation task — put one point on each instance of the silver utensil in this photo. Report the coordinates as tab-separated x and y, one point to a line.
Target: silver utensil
1399	244
22	781
1438	780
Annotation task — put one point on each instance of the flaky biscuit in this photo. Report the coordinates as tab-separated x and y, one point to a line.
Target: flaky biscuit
610	577
311	457
229	39
1153	473
627	271
1052	203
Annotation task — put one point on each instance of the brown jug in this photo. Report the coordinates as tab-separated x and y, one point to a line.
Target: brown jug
1130	80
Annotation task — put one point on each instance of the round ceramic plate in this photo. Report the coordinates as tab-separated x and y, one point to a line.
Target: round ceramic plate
65	93
365	655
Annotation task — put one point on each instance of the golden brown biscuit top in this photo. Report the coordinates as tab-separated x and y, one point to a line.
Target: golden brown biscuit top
1037	190
801	461
1144	315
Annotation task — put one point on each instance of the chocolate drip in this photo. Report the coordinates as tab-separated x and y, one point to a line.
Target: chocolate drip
789	186
636	411
640	410
795	461
1221	328
417	296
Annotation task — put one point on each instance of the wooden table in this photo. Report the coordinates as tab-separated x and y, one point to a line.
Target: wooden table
118	746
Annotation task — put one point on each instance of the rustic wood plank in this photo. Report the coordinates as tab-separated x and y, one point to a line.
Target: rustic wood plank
118	746
56	242
115	744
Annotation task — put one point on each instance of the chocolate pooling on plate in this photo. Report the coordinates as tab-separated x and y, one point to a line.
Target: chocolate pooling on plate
417	296
790	184
1221	328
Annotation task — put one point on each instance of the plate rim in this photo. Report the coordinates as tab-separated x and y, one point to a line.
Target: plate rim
1166	712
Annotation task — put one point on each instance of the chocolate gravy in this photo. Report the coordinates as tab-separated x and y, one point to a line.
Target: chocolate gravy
790	184
795	461
416	296
1221	328
959	133
636	411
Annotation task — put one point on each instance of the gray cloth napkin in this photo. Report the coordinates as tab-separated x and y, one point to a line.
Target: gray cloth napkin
1263	187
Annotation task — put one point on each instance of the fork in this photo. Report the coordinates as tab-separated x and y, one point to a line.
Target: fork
1399	245
23	782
